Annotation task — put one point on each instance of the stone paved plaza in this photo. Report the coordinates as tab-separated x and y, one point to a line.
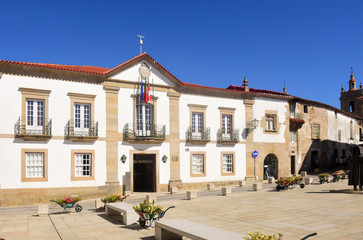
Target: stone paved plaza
294	213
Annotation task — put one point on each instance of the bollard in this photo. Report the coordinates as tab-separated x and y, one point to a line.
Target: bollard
210	186
257	186
226	191
191	195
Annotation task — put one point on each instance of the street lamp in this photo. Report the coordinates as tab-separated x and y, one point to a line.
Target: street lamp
254	123
123	158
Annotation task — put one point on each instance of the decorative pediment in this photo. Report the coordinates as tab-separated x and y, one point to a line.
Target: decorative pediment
130	71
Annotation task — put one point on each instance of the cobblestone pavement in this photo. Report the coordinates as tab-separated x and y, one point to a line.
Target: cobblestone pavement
294	213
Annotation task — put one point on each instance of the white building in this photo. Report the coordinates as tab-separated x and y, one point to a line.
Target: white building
89	131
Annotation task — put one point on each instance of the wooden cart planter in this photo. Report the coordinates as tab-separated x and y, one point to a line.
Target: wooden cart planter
289	182
67	206
148	219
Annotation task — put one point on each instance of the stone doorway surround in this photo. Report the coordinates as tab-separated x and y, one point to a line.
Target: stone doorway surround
157	166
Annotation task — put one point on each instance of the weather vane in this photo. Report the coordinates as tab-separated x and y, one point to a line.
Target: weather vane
141	42
351	69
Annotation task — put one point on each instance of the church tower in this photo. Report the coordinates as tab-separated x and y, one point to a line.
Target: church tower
352	100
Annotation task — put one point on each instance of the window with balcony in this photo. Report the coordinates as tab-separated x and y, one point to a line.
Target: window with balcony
34	124
197	132
82	127
227	134
144	128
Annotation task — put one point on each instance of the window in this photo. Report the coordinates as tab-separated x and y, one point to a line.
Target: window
34	119
144	119
227	134
34	165
82	115
197	125
351	107
226	126
197	131
360	134
306	109
292	111
315	133
351	131
270	122
198	164
293	136
339	135
82	165
227	163
34	115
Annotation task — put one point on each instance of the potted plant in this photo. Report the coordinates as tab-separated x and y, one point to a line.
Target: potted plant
339	174
113	198
261	236
323	177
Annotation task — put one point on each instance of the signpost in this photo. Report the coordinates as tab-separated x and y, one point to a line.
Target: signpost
254	155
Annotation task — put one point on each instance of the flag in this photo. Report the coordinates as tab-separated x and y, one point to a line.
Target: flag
149	92
142	91
146	94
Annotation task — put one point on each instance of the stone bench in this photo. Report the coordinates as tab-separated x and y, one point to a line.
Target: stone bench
173	229
129	215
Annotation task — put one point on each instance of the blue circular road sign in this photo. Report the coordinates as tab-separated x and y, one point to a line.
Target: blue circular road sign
255	154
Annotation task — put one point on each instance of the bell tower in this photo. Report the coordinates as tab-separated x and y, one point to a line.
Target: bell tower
352	100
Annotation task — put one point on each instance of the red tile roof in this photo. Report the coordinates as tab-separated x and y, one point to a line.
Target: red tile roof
106	72
254	90
72	68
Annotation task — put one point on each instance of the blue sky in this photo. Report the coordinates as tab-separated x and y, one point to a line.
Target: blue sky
309	44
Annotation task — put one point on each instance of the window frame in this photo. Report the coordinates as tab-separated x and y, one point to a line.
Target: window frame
37	95
204	164
153	105
312	131
83	99
73	165
233	173
24	178
275	123
197	109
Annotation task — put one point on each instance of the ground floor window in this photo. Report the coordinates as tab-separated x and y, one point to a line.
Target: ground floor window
227	163
34	165
198	164
83	165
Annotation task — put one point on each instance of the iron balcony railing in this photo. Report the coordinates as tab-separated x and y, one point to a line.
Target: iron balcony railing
232	137
203	135
144	131
33	126
81	129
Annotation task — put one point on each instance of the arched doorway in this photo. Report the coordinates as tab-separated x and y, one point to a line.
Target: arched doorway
270	166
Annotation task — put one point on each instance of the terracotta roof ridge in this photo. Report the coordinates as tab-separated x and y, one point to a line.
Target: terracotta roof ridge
73	68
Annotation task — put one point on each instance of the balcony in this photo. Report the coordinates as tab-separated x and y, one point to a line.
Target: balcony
198	137
144	133
77	131
296	121
228	139
34	129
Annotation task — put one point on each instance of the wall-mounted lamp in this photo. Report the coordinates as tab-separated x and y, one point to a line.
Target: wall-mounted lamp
164	159
123	158
254	123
